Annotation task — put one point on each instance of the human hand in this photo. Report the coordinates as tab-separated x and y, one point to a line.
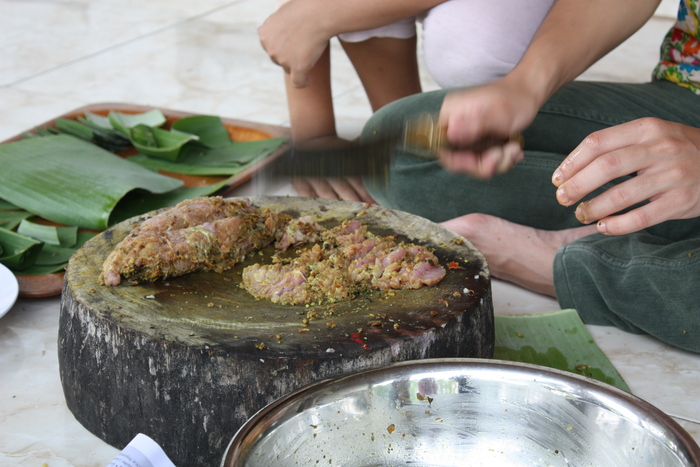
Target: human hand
347	189
666	159
496	110
294	39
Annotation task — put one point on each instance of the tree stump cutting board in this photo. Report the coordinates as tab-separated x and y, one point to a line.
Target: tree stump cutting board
188	360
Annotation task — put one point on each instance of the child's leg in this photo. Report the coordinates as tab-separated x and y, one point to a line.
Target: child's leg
387	67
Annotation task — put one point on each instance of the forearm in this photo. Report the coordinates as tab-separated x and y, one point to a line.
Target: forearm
573	36
311	108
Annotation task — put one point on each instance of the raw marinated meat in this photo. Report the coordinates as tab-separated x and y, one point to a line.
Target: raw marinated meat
349	260
207	233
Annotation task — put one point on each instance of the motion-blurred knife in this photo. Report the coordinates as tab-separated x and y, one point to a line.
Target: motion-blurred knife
421	135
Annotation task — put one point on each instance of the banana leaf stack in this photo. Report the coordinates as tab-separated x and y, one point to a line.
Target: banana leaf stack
62	184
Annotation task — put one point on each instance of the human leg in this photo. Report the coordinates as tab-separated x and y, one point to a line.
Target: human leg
645	282
641	283
386	66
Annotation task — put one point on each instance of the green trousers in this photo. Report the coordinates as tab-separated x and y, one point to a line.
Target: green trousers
646	282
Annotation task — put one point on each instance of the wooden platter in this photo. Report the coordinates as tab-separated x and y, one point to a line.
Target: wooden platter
188	360
48	285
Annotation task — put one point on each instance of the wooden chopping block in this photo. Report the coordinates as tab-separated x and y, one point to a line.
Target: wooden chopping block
188	360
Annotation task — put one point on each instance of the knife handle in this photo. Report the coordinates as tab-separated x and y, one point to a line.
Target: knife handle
425	134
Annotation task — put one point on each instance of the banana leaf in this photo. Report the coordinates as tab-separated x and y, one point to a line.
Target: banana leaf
138	202
231	159
18	252
49	234
97	120
159	143
72	182
74	128
106	137
557	339
55	258
11	219
125	122
7	206
210	129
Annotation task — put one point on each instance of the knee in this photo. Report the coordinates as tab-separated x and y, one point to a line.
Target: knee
390	119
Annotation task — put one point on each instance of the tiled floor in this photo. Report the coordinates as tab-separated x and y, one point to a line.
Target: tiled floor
204	57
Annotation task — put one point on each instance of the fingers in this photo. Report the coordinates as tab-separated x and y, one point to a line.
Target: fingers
605	145
604	207
359	187
662	159
494	161
343	189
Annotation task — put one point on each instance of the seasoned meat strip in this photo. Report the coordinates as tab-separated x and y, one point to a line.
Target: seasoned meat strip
349	261
199	234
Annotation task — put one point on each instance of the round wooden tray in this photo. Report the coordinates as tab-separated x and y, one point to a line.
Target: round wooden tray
188	360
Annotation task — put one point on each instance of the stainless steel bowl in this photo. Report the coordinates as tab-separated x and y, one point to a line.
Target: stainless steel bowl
461	412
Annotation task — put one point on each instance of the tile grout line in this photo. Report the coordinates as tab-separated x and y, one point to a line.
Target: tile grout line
121	44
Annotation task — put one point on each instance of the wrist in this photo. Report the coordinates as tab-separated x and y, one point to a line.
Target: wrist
536	82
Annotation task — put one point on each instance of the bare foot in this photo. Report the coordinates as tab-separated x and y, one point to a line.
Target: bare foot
517	253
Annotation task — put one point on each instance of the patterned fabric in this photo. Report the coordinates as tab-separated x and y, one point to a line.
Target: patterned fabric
680	50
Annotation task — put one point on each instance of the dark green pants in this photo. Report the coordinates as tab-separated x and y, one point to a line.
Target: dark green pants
647	282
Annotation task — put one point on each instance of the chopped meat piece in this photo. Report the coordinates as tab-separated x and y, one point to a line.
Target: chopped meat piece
207	233
351	260
298	231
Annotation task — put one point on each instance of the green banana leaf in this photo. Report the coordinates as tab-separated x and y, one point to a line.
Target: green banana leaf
53	258
210	129
159	143
11	219
72	182
125	122
138	202
74	128
230	159
557	339
99	121
7	206
18	252
49	234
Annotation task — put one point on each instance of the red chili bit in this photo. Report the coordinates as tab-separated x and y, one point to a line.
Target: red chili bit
453	265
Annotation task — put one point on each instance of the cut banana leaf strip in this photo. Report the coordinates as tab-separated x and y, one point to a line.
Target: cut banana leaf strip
210	129
557	339
228	160
75	128
125	122
49	234
11	219
106	136
98	120
18	252
55	258
7	206
46	131
159	143
72	182
51	255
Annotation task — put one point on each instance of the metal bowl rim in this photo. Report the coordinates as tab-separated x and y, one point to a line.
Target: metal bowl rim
467	363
